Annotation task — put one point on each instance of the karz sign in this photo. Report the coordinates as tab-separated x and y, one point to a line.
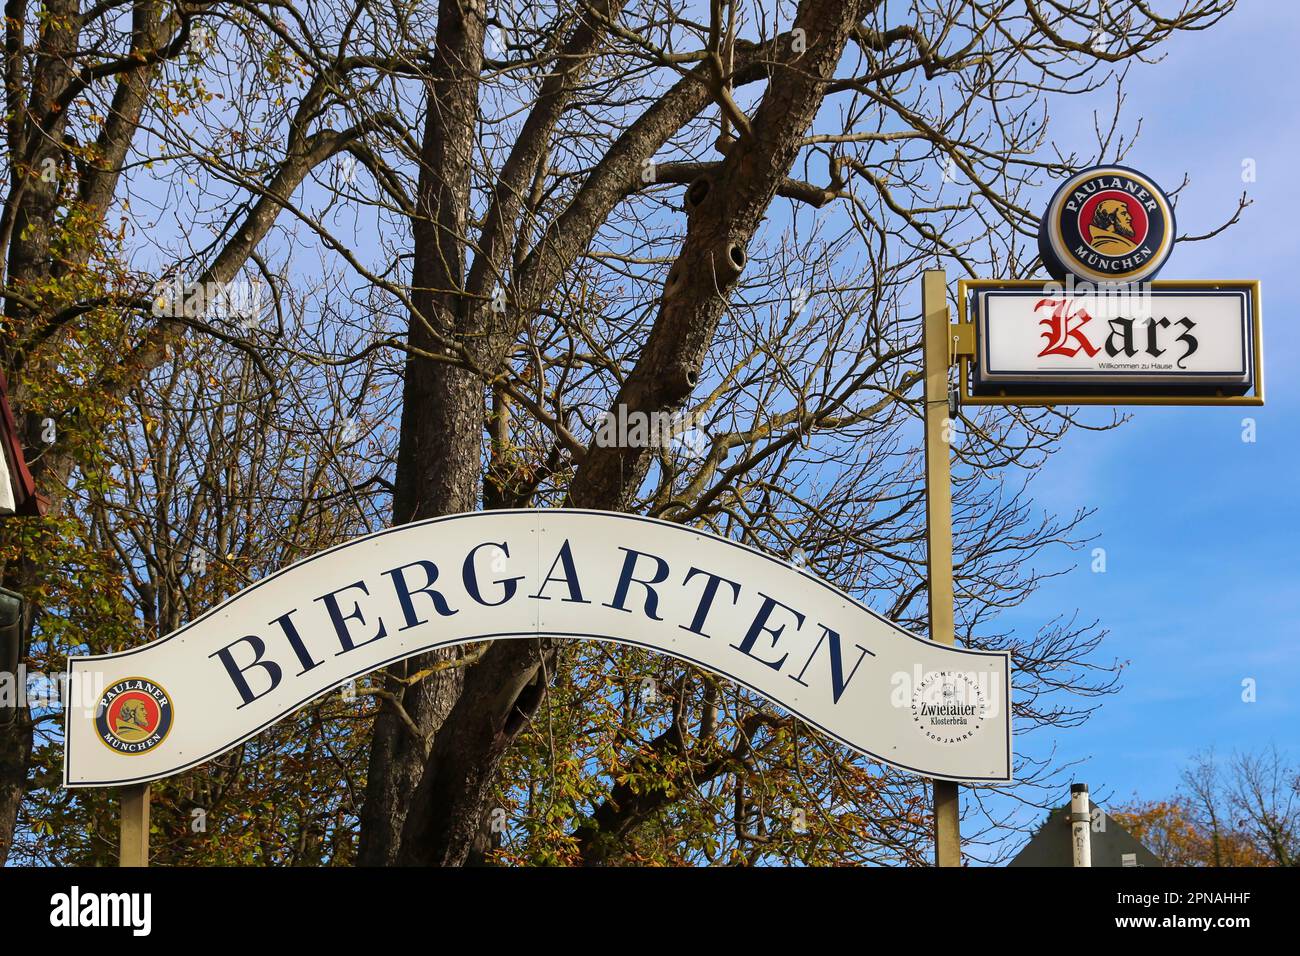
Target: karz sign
520	575
1162	342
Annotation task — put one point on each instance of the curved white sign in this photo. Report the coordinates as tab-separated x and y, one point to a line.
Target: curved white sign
167	706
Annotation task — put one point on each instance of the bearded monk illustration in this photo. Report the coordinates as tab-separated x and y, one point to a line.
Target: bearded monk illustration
132	721
1111	231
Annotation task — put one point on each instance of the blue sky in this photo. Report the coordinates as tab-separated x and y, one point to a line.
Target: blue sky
1199	527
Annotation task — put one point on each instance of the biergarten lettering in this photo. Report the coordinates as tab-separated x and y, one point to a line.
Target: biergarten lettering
255	664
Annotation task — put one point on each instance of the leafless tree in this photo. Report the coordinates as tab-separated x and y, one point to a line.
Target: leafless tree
520	217
1252	800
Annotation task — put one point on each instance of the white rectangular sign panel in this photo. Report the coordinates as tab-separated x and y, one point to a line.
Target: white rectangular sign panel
502	575
1156	340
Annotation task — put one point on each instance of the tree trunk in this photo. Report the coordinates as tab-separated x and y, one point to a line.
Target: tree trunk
15	753
445	823
442	415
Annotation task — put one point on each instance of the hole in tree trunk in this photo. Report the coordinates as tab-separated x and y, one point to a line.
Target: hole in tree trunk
674	279
697	191
729	262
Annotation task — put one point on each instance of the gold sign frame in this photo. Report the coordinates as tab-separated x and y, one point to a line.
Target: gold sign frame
968	332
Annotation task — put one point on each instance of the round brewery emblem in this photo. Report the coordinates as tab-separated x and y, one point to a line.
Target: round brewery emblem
133	716
949	706
1107	224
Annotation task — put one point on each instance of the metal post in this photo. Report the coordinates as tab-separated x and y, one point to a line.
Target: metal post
134	849
938	513
1081	824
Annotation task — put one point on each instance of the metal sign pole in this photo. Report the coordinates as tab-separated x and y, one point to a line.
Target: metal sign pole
134	847
1081	824
938	507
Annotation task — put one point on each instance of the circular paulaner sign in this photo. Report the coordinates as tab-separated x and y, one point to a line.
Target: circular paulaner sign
1107	224
133	716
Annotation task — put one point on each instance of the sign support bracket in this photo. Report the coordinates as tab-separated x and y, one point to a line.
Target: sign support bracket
940	341
961	342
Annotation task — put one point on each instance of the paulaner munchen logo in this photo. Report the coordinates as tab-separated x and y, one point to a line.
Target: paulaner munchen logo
134	716
1107	224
